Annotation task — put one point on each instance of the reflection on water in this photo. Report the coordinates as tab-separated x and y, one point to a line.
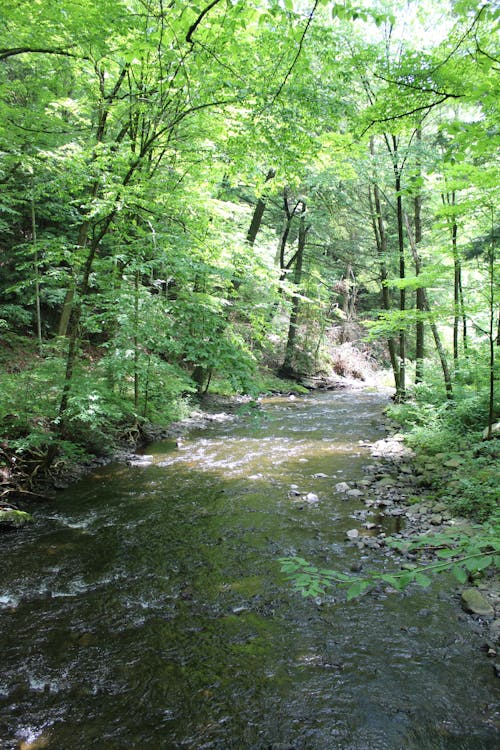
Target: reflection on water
145	608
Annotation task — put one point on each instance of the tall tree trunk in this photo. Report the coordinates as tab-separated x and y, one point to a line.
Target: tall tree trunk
459	317
82	240
435	332
136	342
381	243
287	370
420	327
38	313
491	332
401	392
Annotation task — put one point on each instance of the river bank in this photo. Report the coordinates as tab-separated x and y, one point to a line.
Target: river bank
396	487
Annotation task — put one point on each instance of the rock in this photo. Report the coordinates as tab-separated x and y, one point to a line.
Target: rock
436	519
495	431
142	461
354	493
34	745
311	498
453	463
406	469
342	487
473	601
384	482
495	630
320	475
11	518
352	534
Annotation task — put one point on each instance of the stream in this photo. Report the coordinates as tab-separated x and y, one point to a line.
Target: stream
145	608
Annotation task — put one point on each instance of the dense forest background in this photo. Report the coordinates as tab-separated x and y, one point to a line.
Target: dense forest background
208	195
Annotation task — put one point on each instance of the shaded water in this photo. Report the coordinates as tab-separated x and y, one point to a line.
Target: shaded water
145	608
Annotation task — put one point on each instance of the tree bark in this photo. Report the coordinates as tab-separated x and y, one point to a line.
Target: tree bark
420	302
258	213
401	392
38	313
381	243
287	369
437	338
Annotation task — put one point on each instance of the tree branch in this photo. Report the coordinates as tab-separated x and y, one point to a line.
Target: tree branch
416	87
294	61
409	113
194	26
10	52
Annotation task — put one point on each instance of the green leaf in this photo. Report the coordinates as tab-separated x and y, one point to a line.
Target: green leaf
480	563
422	580
445	554
357	589
460	573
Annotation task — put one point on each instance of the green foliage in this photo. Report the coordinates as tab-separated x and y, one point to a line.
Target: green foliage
133	149
465	552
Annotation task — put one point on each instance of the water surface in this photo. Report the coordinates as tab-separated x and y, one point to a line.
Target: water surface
145	608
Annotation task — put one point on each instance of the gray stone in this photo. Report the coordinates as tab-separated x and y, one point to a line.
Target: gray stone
354	493
436	519
311	498
473	601
352	533
384	482
342	487
495	430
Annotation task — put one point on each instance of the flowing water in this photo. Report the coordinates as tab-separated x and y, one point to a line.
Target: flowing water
146	609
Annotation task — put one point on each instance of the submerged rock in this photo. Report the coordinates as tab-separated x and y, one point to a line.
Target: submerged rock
473	601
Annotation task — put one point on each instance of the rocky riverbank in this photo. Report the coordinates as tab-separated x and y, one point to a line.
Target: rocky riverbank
396	488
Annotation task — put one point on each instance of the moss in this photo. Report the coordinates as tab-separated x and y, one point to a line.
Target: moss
14	519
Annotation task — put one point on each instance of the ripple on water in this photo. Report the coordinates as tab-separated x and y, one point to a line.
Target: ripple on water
148	610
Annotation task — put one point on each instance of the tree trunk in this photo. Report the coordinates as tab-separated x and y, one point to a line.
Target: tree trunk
459	317
437	338
420	327
287	370
491	332
381	243
401	392
258	213
38	313
136	342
